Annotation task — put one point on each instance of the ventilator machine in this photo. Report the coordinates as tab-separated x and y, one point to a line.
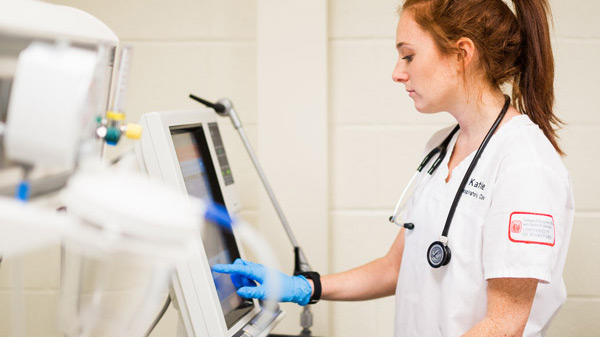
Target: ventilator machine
128	238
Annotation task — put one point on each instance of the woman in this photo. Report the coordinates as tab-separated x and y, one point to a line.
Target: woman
497	269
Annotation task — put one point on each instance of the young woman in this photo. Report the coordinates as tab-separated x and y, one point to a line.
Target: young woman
501	199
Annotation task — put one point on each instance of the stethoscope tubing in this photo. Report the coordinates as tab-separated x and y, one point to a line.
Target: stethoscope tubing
442	149
463	183
438	253
395	214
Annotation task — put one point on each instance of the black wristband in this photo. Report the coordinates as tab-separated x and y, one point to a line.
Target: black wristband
316	278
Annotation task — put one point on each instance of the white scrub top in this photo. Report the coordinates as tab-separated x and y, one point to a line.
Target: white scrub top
513	221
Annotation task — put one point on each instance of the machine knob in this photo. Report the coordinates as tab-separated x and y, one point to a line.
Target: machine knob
112	136
133	131
115	116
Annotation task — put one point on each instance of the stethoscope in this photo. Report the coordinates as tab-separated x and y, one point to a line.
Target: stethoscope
438	253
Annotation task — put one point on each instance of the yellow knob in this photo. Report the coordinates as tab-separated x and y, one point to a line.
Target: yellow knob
133	131
115	116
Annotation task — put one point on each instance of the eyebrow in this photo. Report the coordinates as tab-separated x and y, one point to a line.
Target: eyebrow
402	44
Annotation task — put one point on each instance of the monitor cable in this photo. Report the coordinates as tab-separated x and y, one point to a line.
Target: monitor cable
159	316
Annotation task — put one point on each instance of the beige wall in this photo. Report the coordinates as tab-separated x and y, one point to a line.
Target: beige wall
338	139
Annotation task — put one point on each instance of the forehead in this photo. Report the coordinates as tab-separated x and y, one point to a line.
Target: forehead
409	33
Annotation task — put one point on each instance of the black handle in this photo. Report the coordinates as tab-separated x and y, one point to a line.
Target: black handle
218	107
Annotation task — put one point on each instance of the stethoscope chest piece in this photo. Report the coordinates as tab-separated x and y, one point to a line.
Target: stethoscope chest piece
438	254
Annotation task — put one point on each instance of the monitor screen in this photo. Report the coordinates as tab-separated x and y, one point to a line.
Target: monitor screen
200	179
191	165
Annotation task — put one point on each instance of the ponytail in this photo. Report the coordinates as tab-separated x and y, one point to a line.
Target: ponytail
533	90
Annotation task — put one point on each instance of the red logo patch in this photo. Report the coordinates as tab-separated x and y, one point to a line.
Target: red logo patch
532	228
516	226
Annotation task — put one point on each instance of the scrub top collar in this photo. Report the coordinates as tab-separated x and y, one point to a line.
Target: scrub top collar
515	121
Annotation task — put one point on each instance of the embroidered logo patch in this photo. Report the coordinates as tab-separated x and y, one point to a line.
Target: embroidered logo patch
531	228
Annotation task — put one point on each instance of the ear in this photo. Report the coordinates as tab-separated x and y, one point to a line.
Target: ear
467	51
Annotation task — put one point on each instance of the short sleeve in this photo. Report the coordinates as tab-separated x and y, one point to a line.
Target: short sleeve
525	226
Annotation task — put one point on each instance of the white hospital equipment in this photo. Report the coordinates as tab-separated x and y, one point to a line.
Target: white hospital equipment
122	234
118	260
184	149
56	66
118	250
438	253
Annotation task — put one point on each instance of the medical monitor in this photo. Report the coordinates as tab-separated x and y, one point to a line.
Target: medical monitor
201	181
185	149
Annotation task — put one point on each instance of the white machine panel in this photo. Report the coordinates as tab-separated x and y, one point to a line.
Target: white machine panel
184	149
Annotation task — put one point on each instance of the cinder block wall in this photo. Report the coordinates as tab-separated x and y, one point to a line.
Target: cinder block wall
576	49
366	136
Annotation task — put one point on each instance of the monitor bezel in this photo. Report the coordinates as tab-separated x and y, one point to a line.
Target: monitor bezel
193	277
198	133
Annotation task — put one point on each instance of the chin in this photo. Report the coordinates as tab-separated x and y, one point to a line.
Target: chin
423	108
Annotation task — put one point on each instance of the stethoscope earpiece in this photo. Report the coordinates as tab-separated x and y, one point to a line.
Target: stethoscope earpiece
438	254
407	225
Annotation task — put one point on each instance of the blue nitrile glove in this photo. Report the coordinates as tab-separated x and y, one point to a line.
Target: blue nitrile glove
244	274
239	280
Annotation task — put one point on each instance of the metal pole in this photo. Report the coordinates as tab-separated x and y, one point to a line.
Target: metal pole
306	317
237	124
224	107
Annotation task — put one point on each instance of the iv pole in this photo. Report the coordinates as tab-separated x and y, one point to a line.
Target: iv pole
224	108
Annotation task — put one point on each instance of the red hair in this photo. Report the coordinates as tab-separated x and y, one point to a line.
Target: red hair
513	48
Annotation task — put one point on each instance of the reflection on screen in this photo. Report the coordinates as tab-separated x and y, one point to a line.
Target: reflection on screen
196	180
217	253
192	165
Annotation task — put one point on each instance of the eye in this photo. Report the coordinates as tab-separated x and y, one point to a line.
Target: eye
408	58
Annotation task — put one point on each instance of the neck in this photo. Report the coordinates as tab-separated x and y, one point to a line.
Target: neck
476	114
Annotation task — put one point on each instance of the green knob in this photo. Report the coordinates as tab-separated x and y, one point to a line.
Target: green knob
112	136
98	119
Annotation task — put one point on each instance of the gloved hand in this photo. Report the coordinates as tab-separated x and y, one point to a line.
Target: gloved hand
244	274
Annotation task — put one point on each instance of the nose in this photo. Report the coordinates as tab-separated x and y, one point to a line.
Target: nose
399	74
